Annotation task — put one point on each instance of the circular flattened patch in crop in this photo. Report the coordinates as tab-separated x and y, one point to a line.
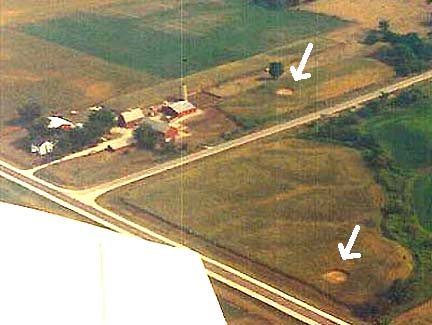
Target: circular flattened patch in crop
336	276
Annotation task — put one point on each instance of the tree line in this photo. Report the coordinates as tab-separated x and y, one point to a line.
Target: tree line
407	53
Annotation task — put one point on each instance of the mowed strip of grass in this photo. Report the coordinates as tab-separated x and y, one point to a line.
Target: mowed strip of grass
171	42
268	102
407	136
15	194
285	203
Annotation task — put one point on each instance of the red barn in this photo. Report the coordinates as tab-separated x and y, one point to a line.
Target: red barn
167	131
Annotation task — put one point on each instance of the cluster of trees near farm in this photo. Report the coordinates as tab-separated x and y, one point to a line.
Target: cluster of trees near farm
148	139
98	123
400	222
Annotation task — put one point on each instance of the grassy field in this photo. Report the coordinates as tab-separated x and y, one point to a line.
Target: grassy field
98	168
270	201
423	200
15	194
407	136
268	102
57	78
129	40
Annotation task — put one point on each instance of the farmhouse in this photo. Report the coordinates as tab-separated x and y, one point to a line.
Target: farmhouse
178	109
163	128
57	122
43	148
131	119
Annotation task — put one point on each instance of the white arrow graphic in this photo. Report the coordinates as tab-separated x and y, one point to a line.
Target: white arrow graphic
345	252
298	73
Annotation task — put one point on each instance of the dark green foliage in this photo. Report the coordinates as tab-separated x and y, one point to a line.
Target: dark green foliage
99	123
277	4
73	140
398	292
408	53
410	96
403	58
29	112
276	69
38	131
146	137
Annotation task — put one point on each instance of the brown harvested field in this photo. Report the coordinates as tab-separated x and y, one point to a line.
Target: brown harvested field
421	315
369	75
208	127
59	79
404	17
269	202
14	12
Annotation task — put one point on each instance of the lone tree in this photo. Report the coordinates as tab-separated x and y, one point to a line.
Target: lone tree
383	25
146	137
29	112
276	69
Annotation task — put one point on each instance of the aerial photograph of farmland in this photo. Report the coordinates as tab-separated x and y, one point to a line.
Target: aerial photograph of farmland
287	143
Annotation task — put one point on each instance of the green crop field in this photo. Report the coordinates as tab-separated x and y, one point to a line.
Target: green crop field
407	135
423	200
282	202
158	43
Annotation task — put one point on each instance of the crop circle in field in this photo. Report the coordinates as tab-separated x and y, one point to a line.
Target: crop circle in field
336	276
285	92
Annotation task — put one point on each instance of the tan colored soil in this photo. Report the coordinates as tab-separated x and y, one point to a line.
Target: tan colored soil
285	92
336	277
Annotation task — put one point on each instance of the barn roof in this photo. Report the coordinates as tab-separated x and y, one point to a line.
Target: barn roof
56	122
132	115
181	106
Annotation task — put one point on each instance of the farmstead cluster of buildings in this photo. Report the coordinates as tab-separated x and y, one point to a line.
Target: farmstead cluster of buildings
164	119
